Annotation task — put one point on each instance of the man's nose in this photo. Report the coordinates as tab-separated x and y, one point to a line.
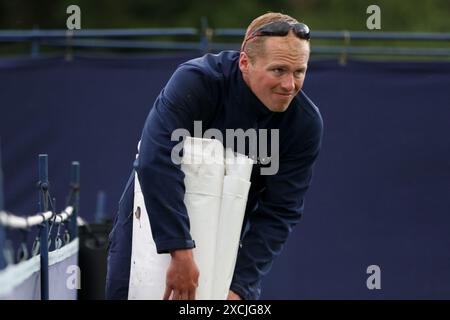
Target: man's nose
288	83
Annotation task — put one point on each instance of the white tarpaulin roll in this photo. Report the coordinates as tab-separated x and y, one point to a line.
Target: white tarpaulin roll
148	269
203	181
236	185
216	207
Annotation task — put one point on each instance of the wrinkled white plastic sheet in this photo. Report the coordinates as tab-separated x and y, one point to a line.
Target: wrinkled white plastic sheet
217	182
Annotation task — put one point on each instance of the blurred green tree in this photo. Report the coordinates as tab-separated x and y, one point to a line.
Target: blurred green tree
412	15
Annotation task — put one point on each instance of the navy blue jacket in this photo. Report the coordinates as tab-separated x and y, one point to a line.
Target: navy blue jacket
211	89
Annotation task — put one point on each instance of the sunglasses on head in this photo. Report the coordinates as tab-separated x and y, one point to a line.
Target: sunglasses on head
280	29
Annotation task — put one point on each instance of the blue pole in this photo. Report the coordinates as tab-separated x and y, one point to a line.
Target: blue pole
43	207
1	183
205	34
2	231
101	202
35	44
75	185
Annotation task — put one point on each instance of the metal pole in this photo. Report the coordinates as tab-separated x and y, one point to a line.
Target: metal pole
2	231
205	35
101	203
75	185
43	207
1	183
35	43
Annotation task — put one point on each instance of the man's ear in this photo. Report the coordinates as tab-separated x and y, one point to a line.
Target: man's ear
243	62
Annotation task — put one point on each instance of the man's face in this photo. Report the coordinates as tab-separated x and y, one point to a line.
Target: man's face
277	75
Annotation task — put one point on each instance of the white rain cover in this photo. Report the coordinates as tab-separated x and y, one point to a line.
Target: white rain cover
236	185
148	269
22	281
204	169
203	166
63	272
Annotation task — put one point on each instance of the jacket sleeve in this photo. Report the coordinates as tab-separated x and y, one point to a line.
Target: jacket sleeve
187	97
279	209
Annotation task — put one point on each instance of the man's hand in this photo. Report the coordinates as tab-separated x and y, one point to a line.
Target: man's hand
233	296
182	276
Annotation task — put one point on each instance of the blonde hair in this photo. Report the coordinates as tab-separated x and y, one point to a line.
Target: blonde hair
255	46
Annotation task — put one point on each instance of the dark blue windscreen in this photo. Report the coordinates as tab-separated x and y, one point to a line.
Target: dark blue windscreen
381	189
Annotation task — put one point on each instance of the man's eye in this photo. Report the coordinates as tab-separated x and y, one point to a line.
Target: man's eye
278	70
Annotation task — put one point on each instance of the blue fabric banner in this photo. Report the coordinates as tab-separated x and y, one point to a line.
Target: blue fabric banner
376	222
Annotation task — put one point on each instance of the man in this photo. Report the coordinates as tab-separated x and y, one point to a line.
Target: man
256	88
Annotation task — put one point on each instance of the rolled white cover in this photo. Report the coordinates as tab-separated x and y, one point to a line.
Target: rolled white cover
238	165
234	200
203	181
203	166
148	268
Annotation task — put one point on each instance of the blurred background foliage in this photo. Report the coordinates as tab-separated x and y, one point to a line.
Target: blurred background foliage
320	15
396	15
